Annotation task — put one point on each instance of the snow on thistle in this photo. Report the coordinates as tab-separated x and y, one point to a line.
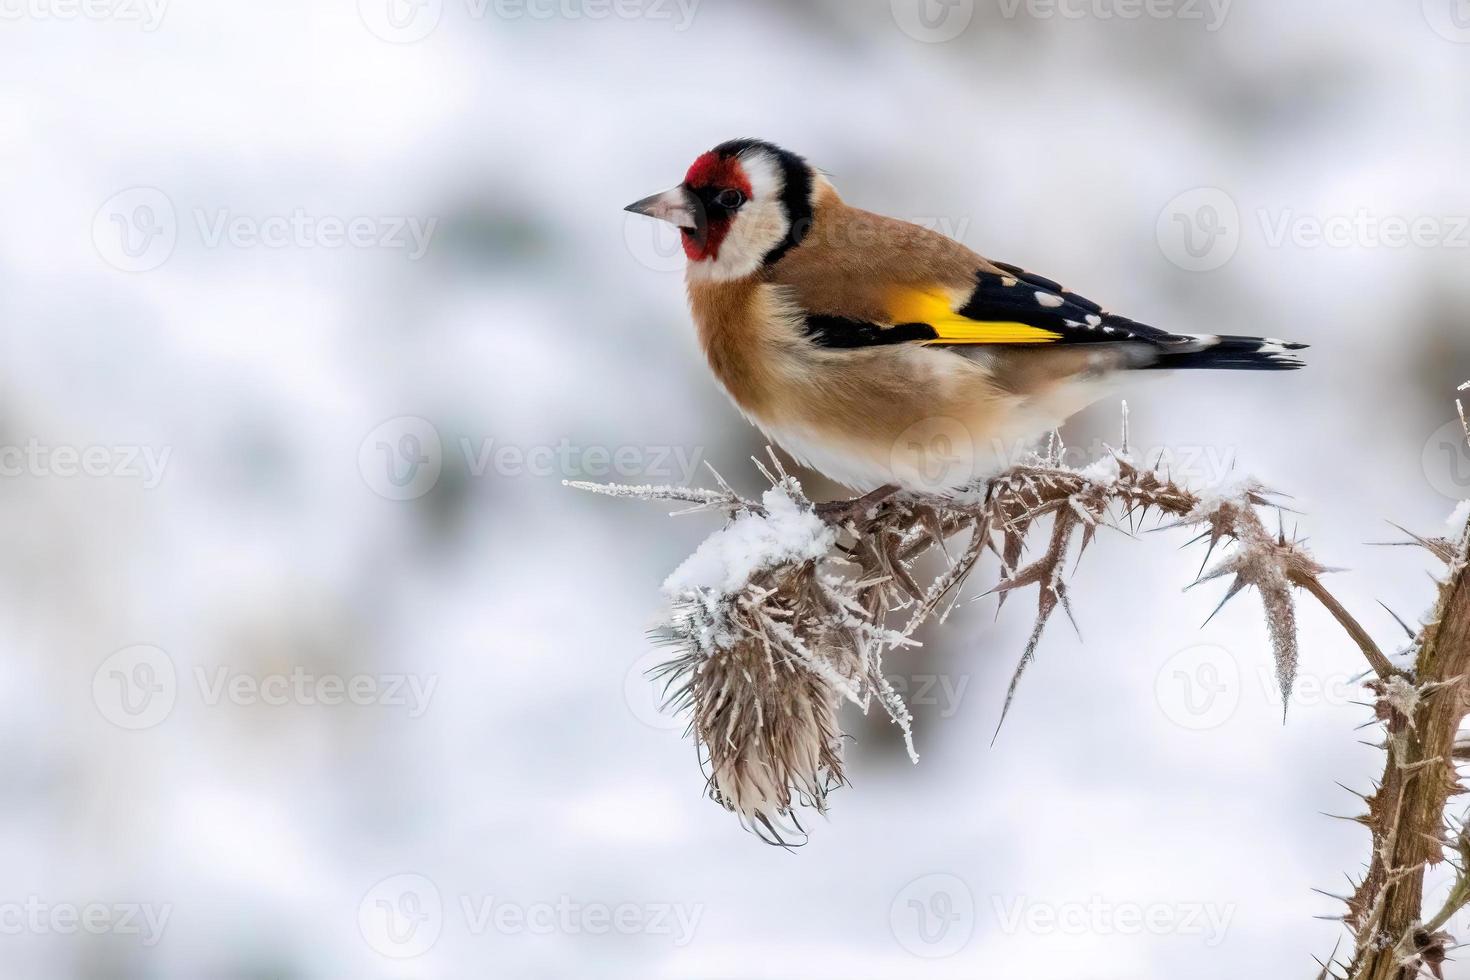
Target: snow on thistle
769	640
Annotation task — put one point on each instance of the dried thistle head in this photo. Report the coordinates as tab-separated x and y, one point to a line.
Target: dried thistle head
766	724
769	647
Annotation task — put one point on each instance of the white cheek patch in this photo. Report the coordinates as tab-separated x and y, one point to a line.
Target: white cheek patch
764	175
759	226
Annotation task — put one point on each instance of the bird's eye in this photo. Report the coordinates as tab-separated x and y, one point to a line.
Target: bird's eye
730	199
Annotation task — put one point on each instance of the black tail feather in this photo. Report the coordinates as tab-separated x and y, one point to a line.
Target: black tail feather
1234	354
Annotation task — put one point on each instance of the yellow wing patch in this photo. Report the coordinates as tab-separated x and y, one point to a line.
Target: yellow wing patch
907	305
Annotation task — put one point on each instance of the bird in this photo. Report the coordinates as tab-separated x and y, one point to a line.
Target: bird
885	355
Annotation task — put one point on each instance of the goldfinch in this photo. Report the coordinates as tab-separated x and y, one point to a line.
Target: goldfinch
883	354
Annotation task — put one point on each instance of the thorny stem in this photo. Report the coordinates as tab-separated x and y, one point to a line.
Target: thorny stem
1407	814
841	511
1374	655
770	745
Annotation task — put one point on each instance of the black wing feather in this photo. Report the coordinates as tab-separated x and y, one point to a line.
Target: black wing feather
1078	319
1016	296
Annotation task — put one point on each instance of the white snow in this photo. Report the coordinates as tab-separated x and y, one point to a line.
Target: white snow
1230	492
727	559
1104	470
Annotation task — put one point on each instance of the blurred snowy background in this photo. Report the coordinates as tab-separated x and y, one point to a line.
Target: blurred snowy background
312	668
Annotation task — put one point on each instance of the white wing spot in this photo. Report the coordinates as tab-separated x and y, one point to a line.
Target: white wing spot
1093	320
1202	341
1049	299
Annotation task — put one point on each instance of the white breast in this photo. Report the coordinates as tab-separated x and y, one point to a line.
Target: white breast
859	470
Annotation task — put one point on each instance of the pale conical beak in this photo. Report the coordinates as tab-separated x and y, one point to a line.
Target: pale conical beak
676	205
